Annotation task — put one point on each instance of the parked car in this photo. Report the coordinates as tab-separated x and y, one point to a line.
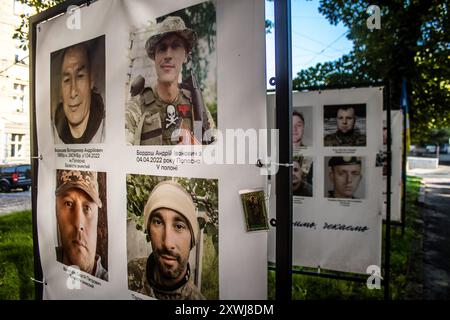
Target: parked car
431	148
418	150
13	176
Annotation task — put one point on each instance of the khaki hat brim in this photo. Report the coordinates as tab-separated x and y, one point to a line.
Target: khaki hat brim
70	185
188	35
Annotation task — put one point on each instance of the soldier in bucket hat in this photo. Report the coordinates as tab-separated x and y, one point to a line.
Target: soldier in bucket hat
154	114
170	219
77	203
345	174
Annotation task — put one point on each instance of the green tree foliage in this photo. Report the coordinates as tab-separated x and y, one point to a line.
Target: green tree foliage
413	43
21	32
436	136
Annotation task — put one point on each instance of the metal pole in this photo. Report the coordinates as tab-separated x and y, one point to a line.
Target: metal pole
283	73
387	247
404	157
34	164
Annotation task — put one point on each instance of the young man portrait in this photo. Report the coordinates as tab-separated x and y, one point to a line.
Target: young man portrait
170	220
166	113
345	176
347	133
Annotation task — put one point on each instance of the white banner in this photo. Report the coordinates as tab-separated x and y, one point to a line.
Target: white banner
102	70
337	181
396	165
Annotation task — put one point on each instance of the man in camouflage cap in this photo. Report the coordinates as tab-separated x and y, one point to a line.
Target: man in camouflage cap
346	134
77	203
345	174
154	114
170	219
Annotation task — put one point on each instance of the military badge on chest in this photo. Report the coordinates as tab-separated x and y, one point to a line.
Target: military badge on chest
171	116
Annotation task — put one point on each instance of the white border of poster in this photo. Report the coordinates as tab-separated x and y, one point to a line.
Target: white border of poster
338	234
396	166
240	48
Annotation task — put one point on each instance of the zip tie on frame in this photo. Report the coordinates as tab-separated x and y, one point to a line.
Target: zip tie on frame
259	164
38	281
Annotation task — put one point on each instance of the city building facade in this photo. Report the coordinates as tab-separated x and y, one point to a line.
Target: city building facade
14	88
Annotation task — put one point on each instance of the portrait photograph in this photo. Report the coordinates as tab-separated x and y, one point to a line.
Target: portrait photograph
255	213
77	85
82	225
302	176
172	84
173	237
344	177
345	125
302	127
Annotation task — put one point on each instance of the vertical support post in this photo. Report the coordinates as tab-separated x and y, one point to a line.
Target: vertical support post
34	161
387	245
283	72
404	158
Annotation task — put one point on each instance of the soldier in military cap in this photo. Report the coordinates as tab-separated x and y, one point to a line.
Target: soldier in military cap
171	221
345	174
346	134
155	114
77	204
299	185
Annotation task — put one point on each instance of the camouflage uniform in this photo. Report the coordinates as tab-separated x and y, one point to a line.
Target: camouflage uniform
352	138
331	195
141	281
304	190
151	121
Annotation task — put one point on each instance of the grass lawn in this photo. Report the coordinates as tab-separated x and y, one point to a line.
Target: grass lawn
16	257
405	264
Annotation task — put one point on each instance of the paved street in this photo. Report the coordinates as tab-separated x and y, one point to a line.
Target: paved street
15	200
436	241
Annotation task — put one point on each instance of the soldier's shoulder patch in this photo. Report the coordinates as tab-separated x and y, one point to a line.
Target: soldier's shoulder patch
148	95
186	93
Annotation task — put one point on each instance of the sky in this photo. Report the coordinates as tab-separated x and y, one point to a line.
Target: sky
314	39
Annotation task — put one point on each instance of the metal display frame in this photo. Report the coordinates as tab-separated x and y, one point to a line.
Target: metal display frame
284	202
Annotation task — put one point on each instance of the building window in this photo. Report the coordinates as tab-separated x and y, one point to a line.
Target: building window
19	96
16	145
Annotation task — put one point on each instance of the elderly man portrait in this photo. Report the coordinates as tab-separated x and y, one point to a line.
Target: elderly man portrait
80	115
165	113
77	211
345	175
347	134
170	219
